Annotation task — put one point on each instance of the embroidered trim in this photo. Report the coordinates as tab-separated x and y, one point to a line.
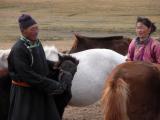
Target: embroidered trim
29	46
29	43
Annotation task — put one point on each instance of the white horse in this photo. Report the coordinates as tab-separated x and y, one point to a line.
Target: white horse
93	68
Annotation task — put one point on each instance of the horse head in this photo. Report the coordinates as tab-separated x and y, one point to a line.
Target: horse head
62	61
68	63
63	58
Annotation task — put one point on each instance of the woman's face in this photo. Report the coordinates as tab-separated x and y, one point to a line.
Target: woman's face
31	32
142	30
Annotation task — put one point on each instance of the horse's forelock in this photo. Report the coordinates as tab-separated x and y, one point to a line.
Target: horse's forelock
68	58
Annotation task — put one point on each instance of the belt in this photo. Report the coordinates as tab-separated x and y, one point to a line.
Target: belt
20	83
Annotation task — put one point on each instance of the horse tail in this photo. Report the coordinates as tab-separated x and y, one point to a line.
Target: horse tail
114	100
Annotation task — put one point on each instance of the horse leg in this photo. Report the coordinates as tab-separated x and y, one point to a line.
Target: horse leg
62	101
114	100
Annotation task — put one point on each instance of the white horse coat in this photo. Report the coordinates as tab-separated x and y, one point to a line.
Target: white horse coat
93	69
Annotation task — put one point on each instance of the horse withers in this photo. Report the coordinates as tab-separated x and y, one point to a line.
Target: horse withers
132	92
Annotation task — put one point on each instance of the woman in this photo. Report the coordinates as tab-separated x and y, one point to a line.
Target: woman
144	47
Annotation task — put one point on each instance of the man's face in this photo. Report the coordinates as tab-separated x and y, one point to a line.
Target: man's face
31	32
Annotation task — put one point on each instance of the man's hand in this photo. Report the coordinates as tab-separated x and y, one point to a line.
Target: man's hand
59	90
69	67
65	78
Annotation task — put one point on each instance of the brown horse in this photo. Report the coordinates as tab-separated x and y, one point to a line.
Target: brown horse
132	92
117	43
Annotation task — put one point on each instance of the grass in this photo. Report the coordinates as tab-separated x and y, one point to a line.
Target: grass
59	18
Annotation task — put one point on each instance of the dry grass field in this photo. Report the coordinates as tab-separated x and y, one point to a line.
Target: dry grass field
58	19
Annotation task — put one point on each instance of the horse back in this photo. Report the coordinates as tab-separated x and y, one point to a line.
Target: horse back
144	90
117	43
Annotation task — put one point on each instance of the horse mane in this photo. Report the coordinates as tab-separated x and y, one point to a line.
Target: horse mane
114	99
68	58
75	41
129	94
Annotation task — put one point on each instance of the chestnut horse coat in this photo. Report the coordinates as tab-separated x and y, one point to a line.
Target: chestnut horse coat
117	43
132	92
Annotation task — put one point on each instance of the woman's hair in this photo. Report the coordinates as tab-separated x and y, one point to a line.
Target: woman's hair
147	22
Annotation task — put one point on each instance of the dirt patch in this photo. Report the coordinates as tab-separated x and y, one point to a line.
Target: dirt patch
92	112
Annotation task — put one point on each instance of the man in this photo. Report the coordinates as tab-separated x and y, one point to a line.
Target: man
31	91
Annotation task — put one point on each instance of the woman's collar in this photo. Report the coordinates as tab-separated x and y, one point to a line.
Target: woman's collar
145	41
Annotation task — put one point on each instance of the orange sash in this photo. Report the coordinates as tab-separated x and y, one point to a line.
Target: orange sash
19	83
